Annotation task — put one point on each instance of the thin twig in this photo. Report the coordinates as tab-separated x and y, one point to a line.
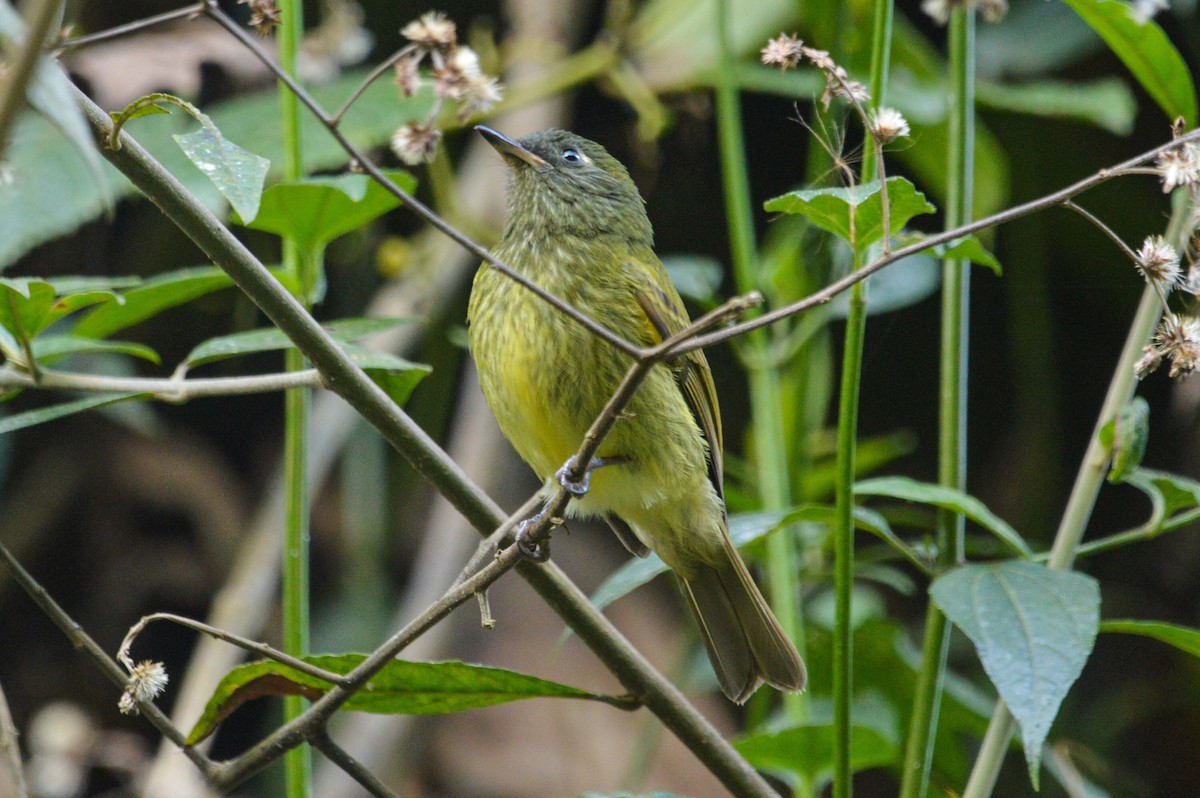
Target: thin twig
166	389
340	757
374	75
192	11
253	646
1108	231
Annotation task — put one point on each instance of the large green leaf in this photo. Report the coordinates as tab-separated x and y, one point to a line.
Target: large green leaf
49	348
1033	628
29	305
1146	52
272	338
1181	637
948	499
400	688
807	751
855	213
315	211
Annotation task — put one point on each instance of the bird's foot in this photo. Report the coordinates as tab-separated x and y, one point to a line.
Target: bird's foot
538	551
579	489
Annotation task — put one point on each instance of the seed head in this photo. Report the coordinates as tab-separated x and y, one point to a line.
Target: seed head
888	124
416	142
784	51
1158	262
146	682
264	16
1179	166
408	77
433	31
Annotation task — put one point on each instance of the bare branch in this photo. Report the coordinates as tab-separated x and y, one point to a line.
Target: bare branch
166	389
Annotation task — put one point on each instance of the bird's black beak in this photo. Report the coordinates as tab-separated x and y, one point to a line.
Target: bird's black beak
509	148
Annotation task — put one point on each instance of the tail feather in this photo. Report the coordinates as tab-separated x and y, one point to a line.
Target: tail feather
744	641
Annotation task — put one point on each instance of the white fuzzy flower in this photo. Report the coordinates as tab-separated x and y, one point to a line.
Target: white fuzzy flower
1158	262
888	124
1179	166
146	682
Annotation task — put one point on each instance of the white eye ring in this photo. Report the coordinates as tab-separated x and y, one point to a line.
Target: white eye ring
572	156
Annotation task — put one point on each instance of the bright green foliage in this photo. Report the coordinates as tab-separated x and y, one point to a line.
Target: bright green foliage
806	752
32	418
947	499
1147	52
855	213
271	339
1125	437
1033	628
1181	637
401	688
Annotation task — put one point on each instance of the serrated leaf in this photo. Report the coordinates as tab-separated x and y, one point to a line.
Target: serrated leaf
1183	638
43	414
314	211
1146	52
969	248
947	499
1033	629
401	688
807	751
854	213
1125	437
271	339
52	347
237	173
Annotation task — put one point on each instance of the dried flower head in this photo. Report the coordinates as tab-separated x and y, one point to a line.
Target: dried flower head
1179	166
1158	262
433	31
819	58
888	124
264	16
1178	339
481	95
839	84
938	10
146	682
416	142
784	51
408	77
453	74
1148	363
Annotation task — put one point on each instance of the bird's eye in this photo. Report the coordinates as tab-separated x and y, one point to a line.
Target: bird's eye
571	156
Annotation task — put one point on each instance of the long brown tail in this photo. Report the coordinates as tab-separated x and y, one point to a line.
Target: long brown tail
744	641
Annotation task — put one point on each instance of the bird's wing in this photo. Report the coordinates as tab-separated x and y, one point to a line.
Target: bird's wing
666	316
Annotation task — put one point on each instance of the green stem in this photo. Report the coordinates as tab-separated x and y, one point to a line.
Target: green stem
952	401
770	445
295	598
847	436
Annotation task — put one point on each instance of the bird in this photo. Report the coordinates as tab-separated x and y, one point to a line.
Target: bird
577	226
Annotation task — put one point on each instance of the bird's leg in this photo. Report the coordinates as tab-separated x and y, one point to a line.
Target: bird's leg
579	489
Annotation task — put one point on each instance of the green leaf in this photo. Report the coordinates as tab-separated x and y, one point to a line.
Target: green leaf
1106	103
1125	438
1033	629
855	213
237	173
317	210
1146	52
1181	637
1174	499
51	93
807	751
947	499
156	295
272	338
969	248
401	688
40	416
744	528
32	304
53	347
395	375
